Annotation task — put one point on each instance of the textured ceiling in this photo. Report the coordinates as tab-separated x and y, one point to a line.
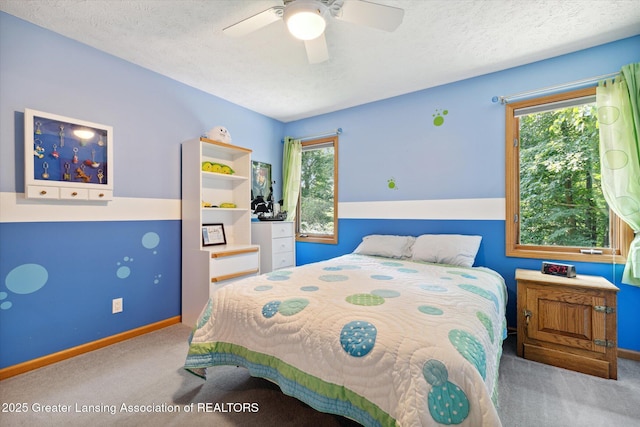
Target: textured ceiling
439	41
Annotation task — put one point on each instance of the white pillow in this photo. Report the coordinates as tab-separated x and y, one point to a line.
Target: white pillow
454	249
386	245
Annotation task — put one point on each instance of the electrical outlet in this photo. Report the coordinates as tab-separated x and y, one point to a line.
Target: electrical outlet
116	305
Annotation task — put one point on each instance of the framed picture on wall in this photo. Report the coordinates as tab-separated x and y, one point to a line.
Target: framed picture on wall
260	180
213	234
67	158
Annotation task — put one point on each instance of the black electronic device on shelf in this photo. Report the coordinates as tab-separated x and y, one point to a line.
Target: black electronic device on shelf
280	216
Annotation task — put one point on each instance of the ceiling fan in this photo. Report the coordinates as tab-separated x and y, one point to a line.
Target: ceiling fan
306	20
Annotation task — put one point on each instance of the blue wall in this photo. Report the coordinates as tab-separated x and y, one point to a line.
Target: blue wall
446	144
61	267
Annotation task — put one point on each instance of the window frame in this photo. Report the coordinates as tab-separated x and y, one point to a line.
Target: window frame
621	234
321	238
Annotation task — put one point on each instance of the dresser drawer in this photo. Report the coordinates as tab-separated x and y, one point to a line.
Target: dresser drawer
283	260
100	195
282	244
42	192
281	229
223	267
73	194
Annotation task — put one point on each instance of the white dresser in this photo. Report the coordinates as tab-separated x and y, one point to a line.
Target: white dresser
277	244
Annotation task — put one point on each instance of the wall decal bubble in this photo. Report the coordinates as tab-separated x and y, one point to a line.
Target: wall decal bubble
150	240
6	304
124	271
438	120
26	278
391	184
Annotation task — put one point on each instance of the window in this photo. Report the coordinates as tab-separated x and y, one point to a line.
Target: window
317	216
555	205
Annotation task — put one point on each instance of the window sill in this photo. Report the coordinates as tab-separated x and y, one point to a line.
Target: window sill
524	252
308	238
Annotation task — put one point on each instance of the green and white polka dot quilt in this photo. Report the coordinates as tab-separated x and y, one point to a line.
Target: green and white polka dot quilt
385	342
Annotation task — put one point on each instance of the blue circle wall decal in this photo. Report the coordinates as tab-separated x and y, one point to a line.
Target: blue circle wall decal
309	288
358	337
26	278
150	240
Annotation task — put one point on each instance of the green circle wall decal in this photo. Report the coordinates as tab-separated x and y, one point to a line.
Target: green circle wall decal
438	120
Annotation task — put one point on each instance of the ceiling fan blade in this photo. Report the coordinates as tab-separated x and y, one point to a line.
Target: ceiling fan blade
386	18
255	22
317	50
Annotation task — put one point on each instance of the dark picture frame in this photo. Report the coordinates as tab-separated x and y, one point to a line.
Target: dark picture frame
260	180
213	234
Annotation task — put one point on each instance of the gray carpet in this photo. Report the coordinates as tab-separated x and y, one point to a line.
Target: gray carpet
148	370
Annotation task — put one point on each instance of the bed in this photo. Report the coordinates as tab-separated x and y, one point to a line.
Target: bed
390	335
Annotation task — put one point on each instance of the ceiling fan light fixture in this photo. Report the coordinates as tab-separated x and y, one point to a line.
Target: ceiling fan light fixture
305	19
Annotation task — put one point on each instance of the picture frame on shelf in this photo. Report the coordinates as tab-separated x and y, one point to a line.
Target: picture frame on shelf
213	234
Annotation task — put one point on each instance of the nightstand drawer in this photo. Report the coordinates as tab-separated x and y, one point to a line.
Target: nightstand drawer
282	244
283	260
281	229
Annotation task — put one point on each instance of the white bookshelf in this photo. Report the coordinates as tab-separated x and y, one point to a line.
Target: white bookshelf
207	268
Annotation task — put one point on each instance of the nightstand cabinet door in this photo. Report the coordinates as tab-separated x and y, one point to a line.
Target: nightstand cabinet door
568	322
565	317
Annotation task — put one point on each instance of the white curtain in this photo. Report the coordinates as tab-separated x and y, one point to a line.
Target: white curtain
619	121
291	167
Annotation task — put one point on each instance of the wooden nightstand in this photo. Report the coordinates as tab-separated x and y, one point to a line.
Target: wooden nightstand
569	323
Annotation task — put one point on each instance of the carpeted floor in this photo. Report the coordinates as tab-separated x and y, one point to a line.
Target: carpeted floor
116	385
